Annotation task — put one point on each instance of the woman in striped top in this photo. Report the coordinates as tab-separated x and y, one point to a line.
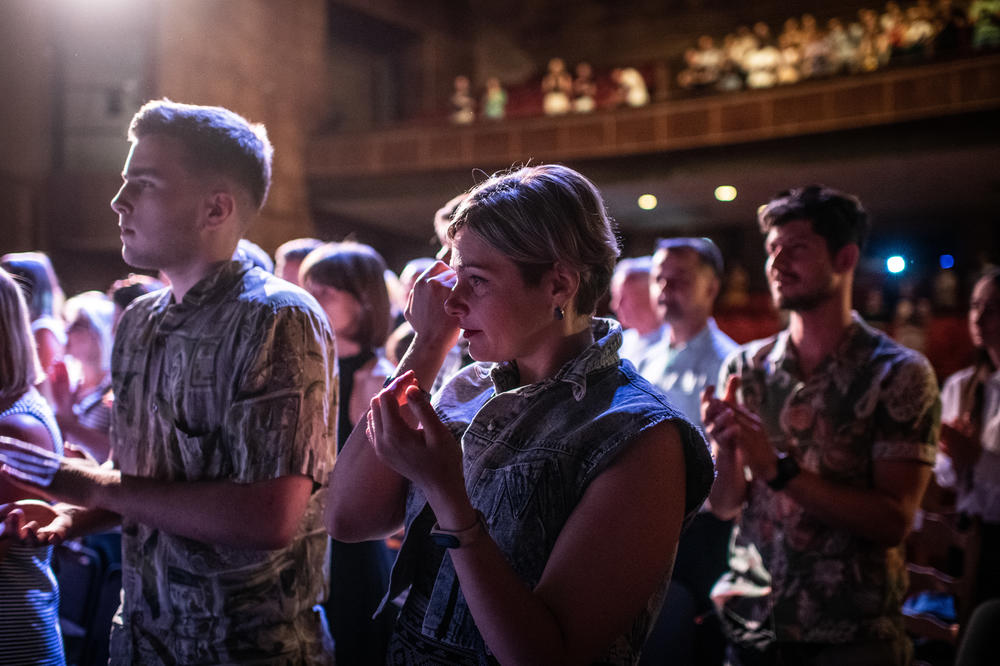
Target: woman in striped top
29	595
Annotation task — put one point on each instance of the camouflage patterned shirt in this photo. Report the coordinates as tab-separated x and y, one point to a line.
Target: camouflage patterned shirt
236	382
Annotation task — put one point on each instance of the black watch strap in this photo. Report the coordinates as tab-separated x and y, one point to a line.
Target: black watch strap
788	469
459	538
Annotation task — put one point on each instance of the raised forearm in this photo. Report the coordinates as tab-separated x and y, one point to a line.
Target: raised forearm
367	498
425	356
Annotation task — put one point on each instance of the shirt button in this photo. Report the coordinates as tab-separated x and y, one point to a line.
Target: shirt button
156	408
489	426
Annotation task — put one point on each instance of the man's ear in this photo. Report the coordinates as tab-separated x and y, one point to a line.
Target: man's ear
220	206
715	286
846	258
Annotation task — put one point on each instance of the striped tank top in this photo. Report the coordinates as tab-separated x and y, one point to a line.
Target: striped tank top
29	595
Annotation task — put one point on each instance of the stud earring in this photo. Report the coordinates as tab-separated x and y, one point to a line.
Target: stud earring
559	314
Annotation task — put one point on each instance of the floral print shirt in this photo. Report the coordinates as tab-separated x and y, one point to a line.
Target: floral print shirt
236	382
872	400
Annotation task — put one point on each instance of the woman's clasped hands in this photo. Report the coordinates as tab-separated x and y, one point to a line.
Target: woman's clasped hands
408	436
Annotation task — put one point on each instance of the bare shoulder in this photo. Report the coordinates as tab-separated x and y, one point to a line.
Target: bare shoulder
27	429
652	466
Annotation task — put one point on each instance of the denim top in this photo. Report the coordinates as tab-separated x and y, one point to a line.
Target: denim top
529	454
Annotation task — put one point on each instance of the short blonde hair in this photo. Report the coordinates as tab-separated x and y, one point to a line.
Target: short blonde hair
19	366
537	216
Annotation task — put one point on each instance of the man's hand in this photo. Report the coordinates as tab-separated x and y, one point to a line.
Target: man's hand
733	426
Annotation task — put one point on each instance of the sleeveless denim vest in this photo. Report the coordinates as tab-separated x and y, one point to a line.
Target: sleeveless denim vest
529	454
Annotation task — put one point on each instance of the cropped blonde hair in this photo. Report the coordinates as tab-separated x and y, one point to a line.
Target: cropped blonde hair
537	216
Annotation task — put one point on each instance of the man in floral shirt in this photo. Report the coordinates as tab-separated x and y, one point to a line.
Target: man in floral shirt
825	436
225	403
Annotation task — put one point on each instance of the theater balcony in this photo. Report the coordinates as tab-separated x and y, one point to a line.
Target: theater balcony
917	144
883	98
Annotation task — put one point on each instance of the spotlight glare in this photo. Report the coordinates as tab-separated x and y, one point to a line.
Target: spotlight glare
895	264
647	202
725	193
946	261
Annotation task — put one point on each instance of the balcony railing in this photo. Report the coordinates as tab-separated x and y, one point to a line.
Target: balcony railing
885	97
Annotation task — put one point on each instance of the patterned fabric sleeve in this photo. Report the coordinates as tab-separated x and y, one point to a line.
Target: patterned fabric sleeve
283	412
909	416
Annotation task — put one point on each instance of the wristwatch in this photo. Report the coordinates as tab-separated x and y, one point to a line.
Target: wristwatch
788	469
459	538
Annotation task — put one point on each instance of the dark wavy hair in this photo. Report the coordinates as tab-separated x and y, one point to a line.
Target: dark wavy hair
836	216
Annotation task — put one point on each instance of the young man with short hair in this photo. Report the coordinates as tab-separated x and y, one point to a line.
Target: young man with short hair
825	435
224	411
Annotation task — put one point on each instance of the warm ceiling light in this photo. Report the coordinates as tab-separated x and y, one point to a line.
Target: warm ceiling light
647	202
725	193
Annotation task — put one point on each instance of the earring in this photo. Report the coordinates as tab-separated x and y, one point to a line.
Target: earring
559	314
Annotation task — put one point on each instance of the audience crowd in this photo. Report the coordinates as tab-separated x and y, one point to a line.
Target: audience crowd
750	57
824	435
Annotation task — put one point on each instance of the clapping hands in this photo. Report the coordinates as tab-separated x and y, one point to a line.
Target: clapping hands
409	437
734	427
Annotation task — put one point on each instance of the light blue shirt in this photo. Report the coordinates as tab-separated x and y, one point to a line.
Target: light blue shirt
635	346
682	373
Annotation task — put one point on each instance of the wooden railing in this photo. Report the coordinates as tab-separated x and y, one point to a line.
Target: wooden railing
885	97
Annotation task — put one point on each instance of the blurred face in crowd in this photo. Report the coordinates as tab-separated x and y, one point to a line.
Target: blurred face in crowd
82	341
341	308
159	205
799	268
630	300
683	287
984	314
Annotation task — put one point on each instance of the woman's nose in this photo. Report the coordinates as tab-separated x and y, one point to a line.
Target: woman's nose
455	305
